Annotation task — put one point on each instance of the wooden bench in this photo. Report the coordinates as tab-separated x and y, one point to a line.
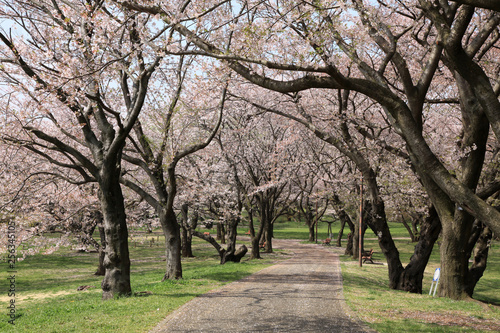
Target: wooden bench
327	241
367	256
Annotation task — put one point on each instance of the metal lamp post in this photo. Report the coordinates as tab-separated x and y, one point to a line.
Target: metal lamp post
361	224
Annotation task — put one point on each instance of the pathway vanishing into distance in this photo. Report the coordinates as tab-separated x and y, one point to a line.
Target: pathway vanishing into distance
301	294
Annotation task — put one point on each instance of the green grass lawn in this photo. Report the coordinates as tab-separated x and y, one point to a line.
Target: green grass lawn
47	300
367	294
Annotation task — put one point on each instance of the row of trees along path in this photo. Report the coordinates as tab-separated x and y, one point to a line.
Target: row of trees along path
119	93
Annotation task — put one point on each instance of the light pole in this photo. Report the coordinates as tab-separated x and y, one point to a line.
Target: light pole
361	223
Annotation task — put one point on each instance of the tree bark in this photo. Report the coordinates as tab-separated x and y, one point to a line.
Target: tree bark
171	230
479	262
268	236
376	220
232	224
338	243
457	233
311	231
116	281
255	237
186	239
350	244
344	219
240	253
212	241
221	233
101	270
411	277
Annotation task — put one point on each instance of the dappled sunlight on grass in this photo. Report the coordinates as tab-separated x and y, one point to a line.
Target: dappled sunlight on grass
47	299
367	293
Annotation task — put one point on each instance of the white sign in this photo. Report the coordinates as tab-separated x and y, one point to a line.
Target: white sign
437	273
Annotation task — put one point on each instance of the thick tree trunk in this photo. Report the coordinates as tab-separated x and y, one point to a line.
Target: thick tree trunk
454	262
350	244
349	249
255	237
255	254
457	230
116	281
240	253
171	231
411	277
375	218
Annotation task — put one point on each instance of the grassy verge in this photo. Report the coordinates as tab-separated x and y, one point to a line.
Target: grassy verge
385	310
47	299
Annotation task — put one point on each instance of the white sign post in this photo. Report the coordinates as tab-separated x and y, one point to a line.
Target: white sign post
437	273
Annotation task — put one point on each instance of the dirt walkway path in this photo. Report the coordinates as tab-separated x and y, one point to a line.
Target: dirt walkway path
302	294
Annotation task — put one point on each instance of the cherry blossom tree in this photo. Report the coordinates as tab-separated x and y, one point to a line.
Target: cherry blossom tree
393	60
158	153
43	205
79	72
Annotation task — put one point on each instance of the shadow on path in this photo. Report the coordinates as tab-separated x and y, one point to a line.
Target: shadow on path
302	294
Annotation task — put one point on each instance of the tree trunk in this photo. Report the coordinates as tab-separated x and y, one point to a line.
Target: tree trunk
171	231
311	226
344	219
101	270
480	258
221	233
212	241
350	244
186	239
408	228
232	225
343	216
457	229
255	237
341	233
375	218
412	276
454	262
255	254
268	248
355	242
116	281
240	253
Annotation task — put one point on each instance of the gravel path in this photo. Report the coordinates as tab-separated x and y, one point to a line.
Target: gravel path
302	294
